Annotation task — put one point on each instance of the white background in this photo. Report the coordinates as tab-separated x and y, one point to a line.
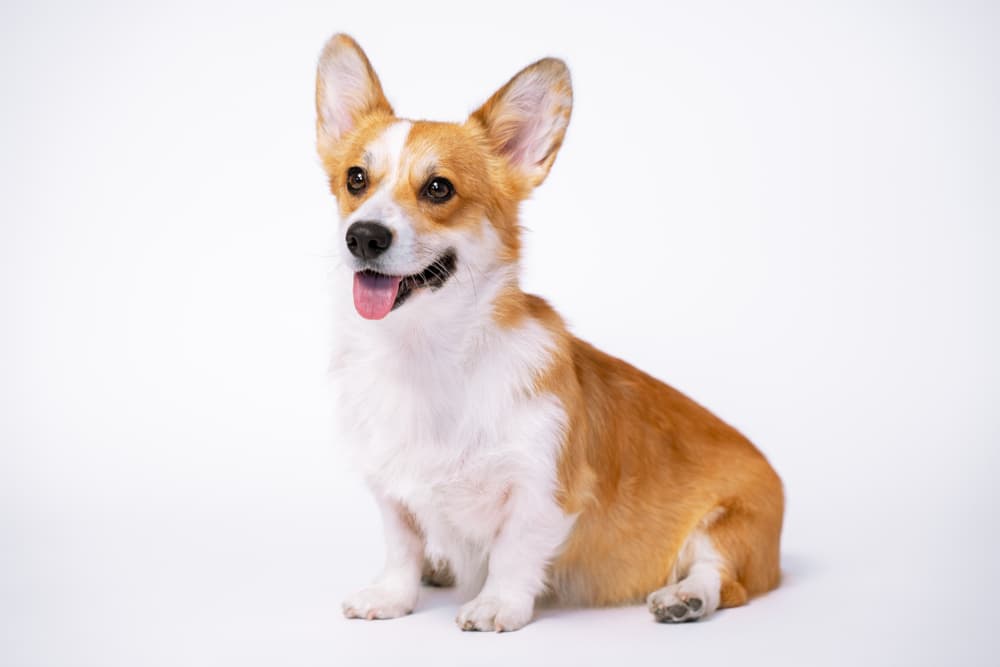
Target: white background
788	210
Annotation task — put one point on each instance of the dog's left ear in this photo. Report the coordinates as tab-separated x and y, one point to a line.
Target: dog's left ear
526	119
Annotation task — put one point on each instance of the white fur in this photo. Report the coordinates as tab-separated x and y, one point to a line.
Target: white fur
395	591
408	254
439	406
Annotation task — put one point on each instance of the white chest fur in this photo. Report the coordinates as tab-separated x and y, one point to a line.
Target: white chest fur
442	416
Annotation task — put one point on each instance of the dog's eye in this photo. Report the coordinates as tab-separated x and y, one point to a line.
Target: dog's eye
357	180
438	190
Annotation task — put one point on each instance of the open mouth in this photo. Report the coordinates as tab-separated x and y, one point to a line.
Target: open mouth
376	294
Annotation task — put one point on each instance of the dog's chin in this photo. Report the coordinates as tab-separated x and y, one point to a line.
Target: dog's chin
376	293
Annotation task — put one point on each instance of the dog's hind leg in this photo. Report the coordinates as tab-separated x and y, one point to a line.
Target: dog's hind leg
696	583
731	556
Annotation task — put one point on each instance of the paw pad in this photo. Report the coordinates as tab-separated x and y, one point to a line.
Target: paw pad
678	612
678	603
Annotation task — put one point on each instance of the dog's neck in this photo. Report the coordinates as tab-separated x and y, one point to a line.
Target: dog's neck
452	324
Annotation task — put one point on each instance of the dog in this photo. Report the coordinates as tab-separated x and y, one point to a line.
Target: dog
504	453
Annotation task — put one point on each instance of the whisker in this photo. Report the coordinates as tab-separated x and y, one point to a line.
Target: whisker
439	271
472	279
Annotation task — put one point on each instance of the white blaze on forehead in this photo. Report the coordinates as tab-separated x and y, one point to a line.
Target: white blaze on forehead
386	151
383	156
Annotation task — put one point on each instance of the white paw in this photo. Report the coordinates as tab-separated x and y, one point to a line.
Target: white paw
685	601
489	612
378	602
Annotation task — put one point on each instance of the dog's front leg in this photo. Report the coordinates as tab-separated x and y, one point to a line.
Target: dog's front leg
394	592
532	532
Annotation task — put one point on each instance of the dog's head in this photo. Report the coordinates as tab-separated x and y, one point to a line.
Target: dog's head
423	202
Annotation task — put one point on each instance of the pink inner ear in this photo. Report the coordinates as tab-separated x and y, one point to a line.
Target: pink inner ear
520	148
527	144
337	119
348	90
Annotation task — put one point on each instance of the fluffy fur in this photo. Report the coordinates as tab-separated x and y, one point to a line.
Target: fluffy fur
503	452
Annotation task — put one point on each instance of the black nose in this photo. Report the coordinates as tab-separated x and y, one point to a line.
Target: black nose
368	240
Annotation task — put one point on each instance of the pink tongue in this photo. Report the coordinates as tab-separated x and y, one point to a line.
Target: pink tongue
374	295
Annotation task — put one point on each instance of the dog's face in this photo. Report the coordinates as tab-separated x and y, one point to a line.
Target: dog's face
423	202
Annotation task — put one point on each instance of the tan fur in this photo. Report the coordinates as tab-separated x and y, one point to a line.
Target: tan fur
499	117
372	101
460	153
642	466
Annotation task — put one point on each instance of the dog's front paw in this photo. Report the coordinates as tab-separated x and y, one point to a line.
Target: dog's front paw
378	602
490	612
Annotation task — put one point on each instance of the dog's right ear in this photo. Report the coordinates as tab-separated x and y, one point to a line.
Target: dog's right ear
347	89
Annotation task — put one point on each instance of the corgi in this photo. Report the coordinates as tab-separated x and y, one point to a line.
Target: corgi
503	453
